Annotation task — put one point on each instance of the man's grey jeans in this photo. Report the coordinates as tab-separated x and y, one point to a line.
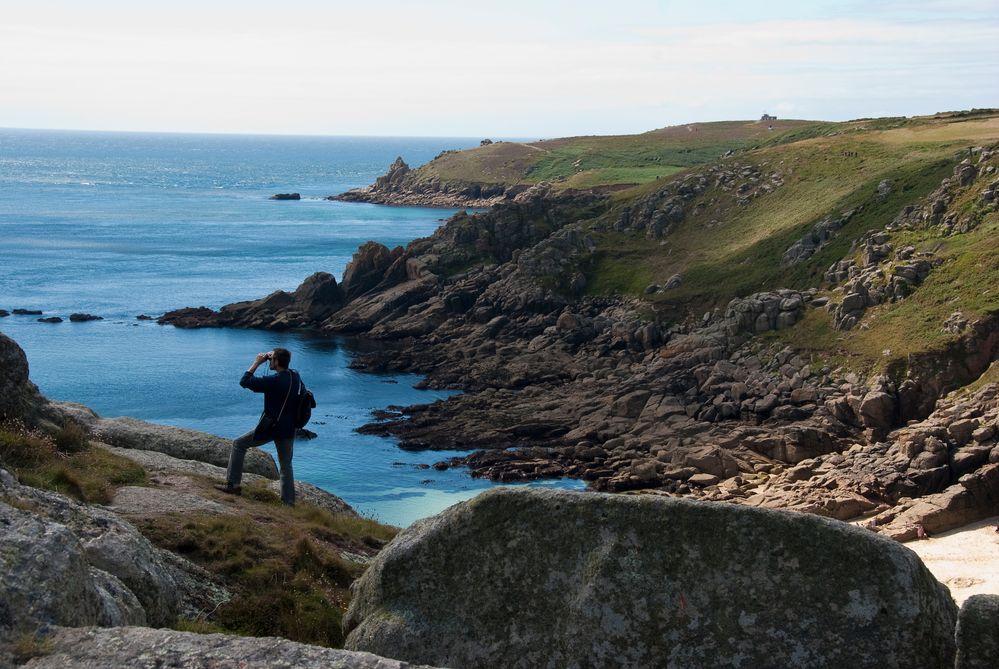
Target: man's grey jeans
285	447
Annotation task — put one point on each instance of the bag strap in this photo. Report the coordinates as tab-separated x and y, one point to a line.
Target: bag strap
290	384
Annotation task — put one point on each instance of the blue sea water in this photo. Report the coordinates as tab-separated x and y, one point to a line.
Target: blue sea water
122	224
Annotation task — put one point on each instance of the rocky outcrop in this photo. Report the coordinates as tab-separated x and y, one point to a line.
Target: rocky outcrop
977	641
48	581
519	578
404	186
820	235
937	210
112	574
881	279
313	301
143	648
20	400
82	318
286	196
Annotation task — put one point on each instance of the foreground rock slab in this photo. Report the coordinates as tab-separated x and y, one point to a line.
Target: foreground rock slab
524	578
143	648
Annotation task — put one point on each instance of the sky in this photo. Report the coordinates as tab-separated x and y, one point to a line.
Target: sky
515	68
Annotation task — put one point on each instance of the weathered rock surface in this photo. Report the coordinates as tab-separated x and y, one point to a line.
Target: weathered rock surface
978	633
520	578
179	443
401	185
114	546
144	648
315	299
47	579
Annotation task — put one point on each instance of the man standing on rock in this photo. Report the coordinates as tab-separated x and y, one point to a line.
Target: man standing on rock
282	393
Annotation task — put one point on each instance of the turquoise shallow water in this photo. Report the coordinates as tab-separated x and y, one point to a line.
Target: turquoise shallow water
119	224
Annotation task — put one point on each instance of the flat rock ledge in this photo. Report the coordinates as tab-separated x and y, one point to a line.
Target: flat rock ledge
144	648
527	578
179	443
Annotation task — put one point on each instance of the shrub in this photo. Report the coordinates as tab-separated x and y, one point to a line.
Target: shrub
71	438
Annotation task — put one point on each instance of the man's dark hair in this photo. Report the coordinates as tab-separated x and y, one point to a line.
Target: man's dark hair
282	356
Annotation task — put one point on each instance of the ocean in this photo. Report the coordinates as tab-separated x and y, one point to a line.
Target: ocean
123	224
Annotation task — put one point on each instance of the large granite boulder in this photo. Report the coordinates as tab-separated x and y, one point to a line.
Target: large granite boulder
19	397
180	443
157	583
528	578
144	648
978	633
47	580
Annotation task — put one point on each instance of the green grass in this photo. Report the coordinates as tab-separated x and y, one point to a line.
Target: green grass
590	162
725	250
85	472
284	566
891	333
611	176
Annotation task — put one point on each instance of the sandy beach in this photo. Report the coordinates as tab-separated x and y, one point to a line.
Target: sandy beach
966	560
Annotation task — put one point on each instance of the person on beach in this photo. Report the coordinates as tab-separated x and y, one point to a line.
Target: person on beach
282	392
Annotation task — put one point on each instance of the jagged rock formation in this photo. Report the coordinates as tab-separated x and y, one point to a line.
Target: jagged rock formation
519	578
143	648
404	186
316	298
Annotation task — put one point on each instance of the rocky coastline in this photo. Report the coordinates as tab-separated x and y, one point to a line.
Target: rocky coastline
403	186
558	383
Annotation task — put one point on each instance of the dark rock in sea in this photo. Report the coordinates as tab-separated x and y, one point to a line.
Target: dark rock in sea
50	319
302	433
286	196
27	312
81	318
629	581
312	302
143	317
4	312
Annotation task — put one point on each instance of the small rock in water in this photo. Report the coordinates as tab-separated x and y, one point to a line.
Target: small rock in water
4	312
80	318
143	317
27	312
50	319
286	196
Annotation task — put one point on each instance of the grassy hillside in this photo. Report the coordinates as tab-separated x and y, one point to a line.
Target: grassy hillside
729	245
588	162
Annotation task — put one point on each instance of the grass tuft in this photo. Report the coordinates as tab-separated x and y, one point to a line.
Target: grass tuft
88	473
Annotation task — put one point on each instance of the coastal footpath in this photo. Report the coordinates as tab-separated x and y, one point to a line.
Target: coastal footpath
513	578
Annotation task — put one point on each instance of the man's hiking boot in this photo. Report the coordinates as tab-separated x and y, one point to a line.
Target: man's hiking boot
229	489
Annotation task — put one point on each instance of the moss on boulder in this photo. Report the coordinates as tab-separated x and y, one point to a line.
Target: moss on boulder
527	578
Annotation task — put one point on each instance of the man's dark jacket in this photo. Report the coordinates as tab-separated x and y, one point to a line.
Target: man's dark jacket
275	389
